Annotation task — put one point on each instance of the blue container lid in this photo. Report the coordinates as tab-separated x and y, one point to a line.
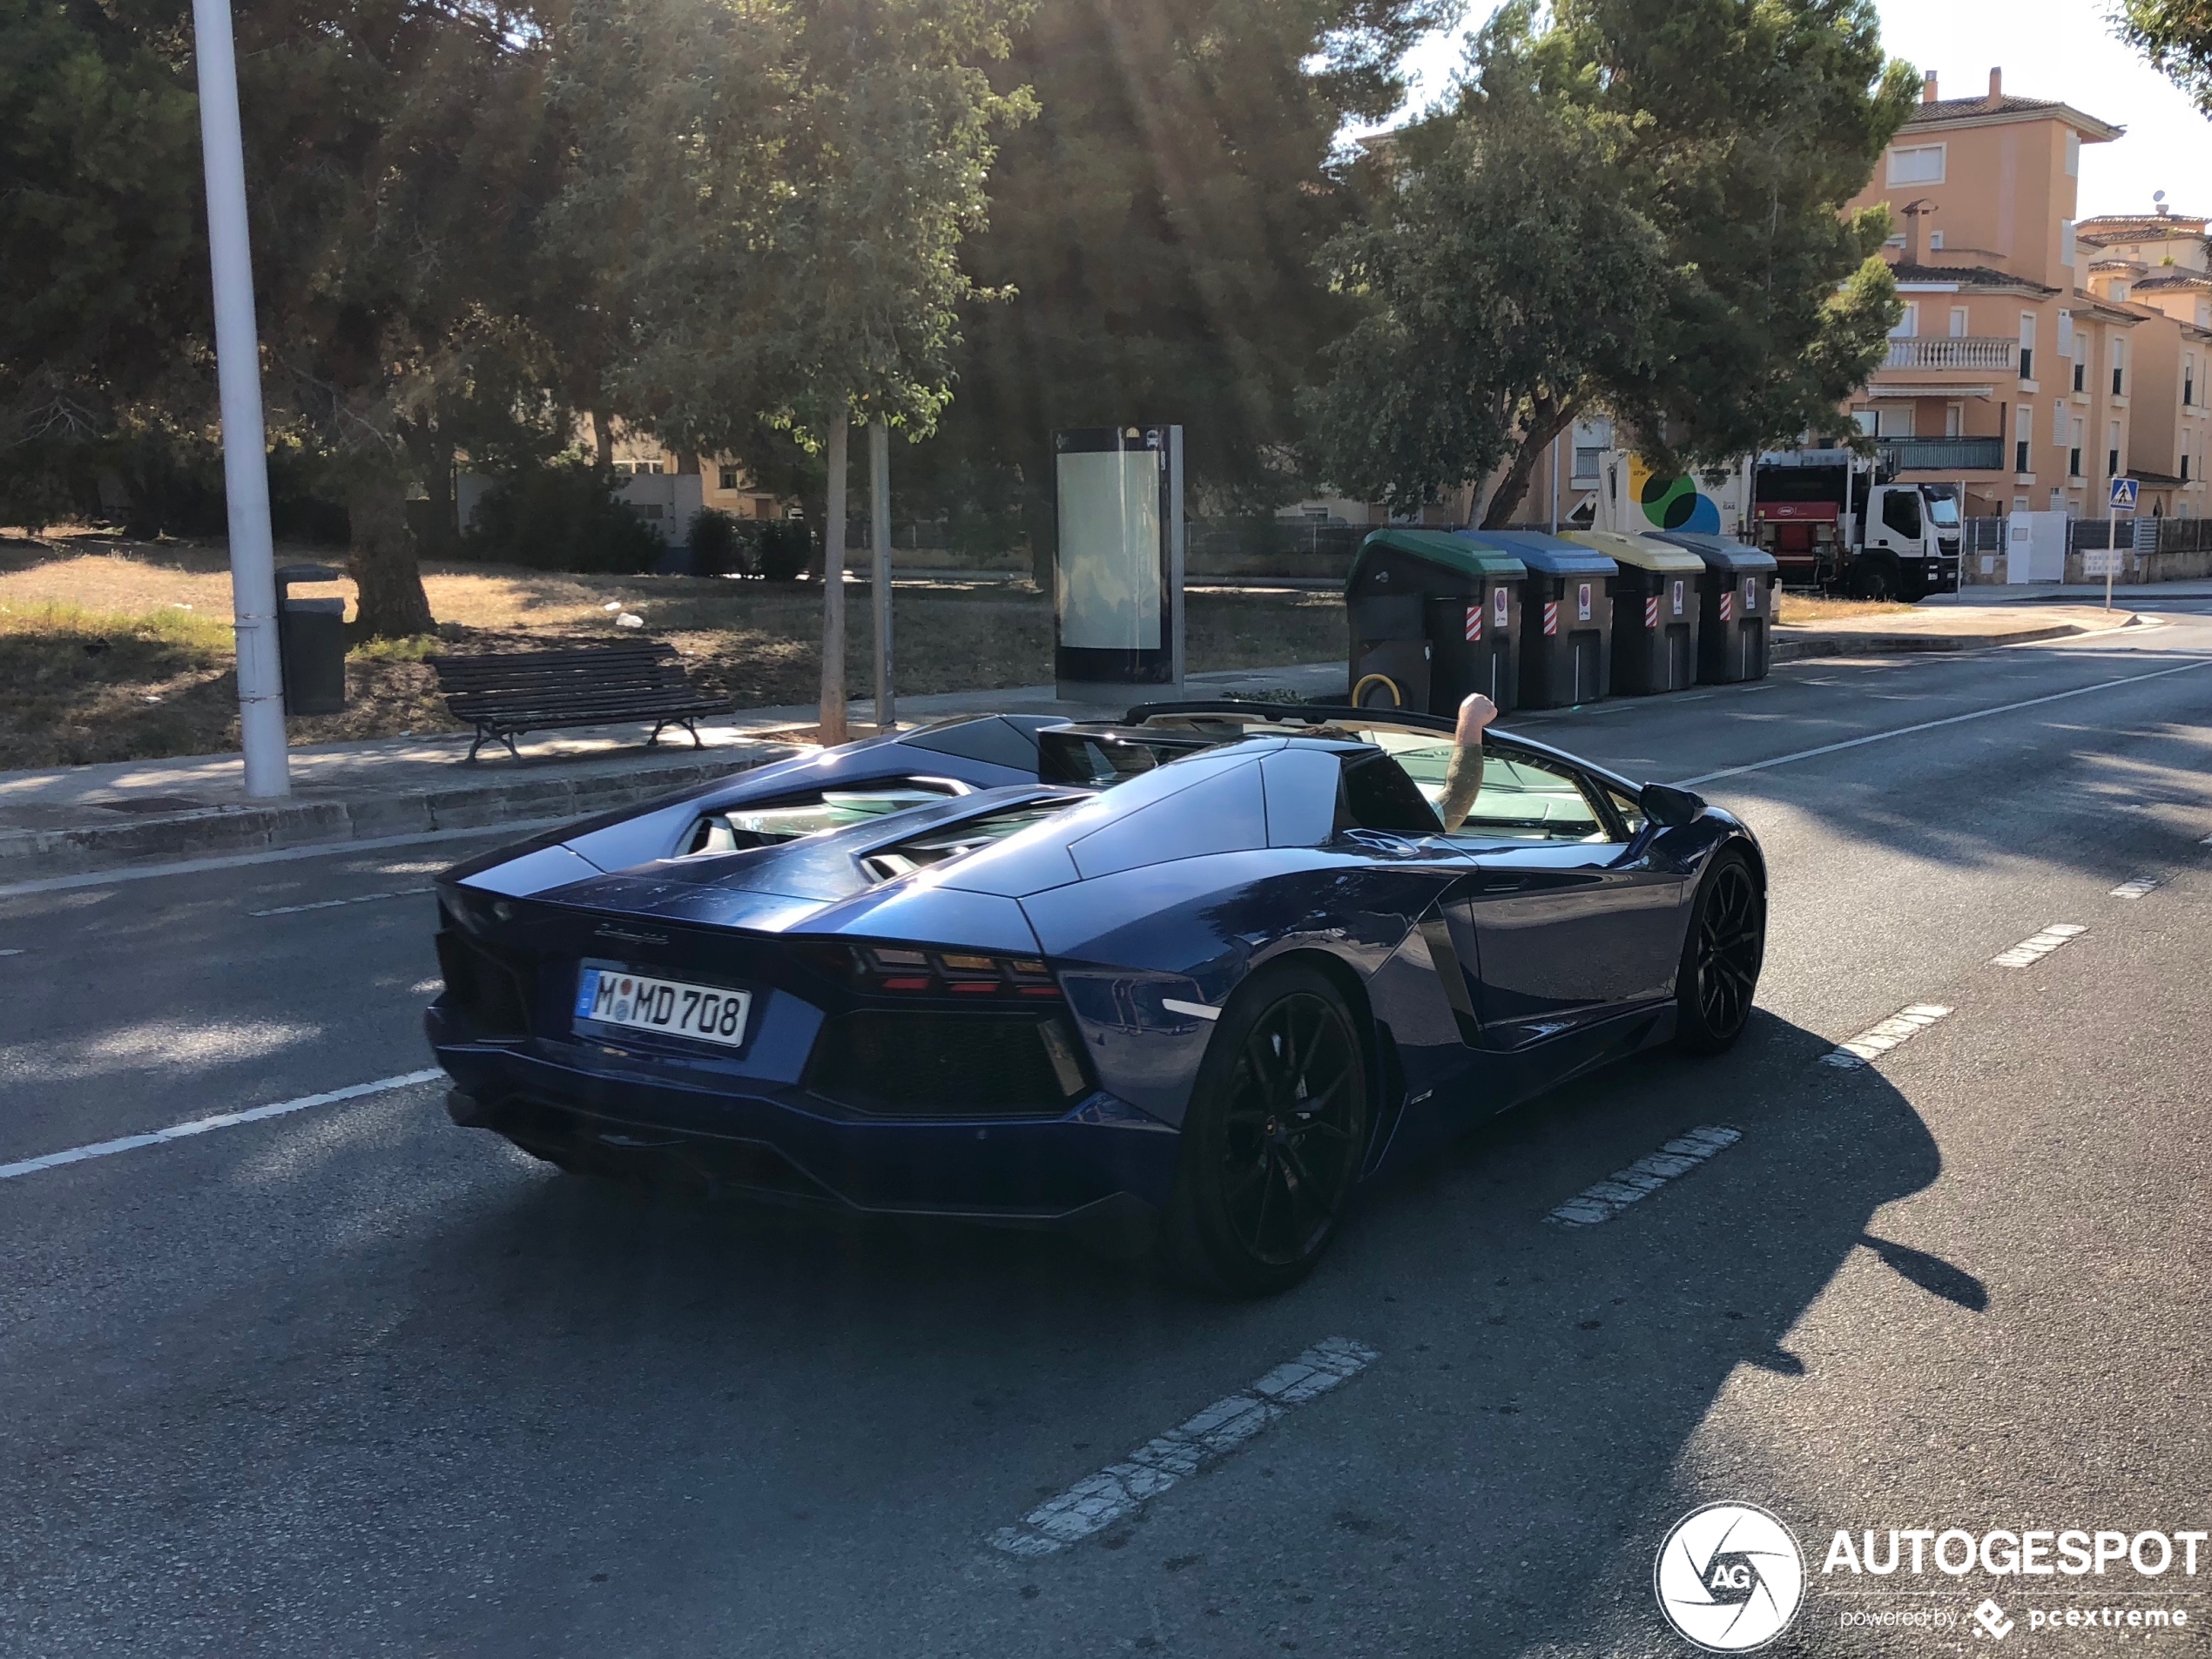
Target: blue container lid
1545	554
1722	552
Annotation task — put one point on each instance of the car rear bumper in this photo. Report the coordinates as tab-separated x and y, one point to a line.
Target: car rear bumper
1024	1171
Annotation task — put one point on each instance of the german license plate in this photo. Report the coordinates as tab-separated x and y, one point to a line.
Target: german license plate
704	1012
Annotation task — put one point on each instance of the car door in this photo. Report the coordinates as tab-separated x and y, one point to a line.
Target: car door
1573	917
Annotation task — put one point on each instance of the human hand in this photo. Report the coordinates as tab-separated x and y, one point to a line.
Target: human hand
1475	714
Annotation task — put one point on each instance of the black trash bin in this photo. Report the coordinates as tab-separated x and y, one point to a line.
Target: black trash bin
311	640
1433	617
1654	612
1736	606
1567	642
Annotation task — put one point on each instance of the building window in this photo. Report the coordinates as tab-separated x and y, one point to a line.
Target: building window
2080	375
1867	420
2023	438
2119	290
1935	241
2074	454
1909	324
1922	165
1958	322
2119	367
2185	466
1587	457
728	478
2111	452
2189	380
2073	155
2066	241
2028	345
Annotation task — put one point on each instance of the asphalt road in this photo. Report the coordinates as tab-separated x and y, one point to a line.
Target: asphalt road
350	1381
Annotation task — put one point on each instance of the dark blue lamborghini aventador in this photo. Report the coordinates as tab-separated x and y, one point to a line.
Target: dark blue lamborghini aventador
1191	977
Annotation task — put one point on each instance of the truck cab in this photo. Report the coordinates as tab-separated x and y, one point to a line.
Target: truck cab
1910	545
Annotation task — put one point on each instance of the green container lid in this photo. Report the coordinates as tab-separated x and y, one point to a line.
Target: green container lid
1453	553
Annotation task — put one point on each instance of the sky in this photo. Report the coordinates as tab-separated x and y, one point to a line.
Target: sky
2054	49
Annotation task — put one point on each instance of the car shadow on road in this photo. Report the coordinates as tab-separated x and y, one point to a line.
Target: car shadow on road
776	1417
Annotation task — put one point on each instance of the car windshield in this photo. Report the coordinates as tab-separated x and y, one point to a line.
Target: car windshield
1521	799
1944	511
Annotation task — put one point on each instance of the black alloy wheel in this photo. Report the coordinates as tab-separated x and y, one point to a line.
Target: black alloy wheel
1273	1141
1721	957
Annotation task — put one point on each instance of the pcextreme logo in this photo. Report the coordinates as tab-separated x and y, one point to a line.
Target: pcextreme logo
1730	1577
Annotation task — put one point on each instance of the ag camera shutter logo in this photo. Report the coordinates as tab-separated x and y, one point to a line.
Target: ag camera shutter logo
1730	1577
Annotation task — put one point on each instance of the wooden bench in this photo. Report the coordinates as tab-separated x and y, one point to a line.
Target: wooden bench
507	694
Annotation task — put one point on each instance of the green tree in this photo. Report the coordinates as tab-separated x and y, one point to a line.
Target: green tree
99	189
1153	234
802	196
2176	36
1633	206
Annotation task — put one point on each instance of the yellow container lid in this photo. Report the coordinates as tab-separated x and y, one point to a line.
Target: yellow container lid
1640	551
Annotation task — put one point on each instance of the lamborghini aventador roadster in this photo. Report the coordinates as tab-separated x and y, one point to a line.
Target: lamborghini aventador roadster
1190	977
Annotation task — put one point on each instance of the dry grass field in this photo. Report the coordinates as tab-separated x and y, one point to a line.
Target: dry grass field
114	650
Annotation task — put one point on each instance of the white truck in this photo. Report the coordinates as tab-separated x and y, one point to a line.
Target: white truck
1828	517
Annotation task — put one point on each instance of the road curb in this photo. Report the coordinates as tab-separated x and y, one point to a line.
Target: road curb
35	854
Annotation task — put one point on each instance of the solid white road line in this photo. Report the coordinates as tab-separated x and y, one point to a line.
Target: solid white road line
2136	888
10	953
221	1120
1602	1200
1930	725
1118	1490
1878	1039
519	829
333	904
2034	948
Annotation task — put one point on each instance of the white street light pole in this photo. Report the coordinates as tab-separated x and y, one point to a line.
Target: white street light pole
886	714
238	358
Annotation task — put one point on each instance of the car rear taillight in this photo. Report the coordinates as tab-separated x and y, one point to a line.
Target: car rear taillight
915	970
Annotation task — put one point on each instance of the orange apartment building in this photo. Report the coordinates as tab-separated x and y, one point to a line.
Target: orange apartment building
2039	354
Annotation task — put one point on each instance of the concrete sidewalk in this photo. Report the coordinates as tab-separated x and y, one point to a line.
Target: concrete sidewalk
1950	628
2071	593
75	820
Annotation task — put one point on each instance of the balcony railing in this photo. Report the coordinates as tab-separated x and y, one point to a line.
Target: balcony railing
1944	455
1942	351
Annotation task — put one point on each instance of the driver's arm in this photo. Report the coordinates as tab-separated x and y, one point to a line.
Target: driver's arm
1463	780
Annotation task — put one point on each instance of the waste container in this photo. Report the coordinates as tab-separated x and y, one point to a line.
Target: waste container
1655	612
1433	617
311	640
1567	642
1736	606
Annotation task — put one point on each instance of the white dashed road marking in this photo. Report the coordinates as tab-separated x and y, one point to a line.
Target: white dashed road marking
1878	1039
10	953
2136	888
2031	951
333	904
1118	1490
1602	1200
221	1120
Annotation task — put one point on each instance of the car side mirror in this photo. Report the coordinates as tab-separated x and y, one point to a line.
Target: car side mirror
1668	806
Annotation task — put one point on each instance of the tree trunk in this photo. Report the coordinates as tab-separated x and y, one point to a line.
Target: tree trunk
602	436
1039	518
1547	421
832	721
392	602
